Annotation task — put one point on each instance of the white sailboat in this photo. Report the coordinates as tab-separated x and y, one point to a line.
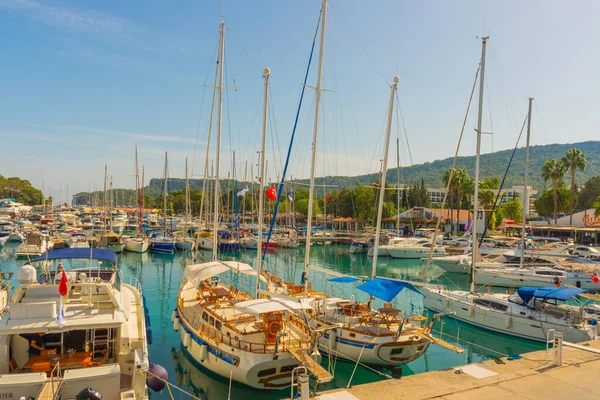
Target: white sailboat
163	243
257	342
138	243
182	240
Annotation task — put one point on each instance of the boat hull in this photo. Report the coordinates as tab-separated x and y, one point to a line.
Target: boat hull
409	252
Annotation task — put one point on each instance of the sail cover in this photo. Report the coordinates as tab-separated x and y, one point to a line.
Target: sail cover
385	289
200	272
261	306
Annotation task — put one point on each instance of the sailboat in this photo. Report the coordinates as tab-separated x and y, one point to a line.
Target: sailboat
255	341
354	331
163	244
529	313
139	242
182	240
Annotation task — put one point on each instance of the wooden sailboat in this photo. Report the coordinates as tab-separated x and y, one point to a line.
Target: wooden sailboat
257	342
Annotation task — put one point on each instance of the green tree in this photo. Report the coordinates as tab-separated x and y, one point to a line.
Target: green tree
554	171
597	207
513	209
302	207
573	160
544	204
589	193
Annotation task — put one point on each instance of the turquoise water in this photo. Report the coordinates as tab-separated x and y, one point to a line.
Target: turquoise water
161	275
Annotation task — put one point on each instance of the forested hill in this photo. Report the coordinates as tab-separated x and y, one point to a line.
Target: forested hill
432	172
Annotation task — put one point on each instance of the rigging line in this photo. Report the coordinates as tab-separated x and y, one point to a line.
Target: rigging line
537	113
287	160
275	133
201	107
359	44
489	101
504	179
421	200
441	215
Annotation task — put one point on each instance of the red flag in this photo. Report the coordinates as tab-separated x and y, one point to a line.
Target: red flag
594	278
558	284
271	193
327	197
62	286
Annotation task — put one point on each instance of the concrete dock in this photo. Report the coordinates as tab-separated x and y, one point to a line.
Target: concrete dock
531	377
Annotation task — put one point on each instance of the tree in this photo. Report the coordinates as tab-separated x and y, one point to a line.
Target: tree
544	204
555	172
513	209
589	194
597	207
573	160
459	176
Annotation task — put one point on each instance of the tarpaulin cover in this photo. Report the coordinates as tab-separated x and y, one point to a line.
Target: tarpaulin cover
385	289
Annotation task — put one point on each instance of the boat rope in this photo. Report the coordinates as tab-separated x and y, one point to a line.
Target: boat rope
168	384
329	349
439	220
355	366
287	159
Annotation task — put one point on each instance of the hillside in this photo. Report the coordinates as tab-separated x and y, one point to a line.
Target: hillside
431	172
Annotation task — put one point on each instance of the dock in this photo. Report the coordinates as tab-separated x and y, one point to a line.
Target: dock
533	376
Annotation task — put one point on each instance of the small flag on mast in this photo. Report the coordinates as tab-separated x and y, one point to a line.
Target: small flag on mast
291	196
243	191
63	290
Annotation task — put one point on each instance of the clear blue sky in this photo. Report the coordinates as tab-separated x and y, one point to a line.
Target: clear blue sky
84	81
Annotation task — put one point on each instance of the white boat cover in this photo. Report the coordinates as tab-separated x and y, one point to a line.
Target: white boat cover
261	306
200	272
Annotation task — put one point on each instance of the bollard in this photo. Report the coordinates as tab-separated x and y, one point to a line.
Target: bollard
558	344
303	385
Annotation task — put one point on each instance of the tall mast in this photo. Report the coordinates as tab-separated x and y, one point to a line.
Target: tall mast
383	177
398	184
165	199
219	119
104	199
525	187
138	190
261	194
476	255
311	189
187	195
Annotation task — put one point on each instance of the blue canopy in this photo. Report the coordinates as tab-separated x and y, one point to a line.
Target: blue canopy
63	254
344	279
549	293
385	289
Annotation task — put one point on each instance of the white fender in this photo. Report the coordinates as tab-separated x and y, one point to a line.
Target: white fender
332	339
203	352
187	339
176	324
471	310
508	322
173	316
446	303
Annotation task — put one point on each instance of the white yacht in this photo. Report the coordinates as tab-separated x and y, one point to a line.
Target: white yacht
413	248
93	325
529	313
137	244
35	244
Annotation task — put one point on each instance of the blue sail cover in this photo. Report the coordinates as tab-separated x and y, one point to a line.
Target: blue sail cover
385	289
64	254
549	293
344	279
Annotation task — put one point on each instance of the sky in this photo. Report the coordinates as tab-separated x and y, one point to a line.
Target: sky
85	81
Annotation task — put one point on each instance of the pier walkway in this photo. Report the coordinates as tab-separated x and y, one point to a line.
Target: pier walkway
531	377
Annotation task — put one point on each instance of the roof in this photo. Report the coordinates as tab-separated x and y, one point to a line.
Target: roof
93	253
549	293
200	272
261	306
385	289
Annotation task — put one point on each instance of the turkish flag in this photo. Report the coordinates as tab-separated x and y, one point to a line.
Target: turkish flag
327	197
558	284
271	193
594	278
62	286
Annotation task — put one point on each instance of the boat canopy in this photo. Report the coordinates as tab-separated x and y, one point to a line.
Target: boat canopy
344	279
548	293
82	253
261	306
385	289
200	272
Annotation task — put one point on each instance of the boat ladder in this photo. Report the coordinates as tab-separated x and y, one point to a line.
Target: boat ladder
320	373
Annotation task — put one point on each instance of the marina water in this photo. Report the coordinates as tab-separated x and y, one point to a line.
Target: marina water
161	276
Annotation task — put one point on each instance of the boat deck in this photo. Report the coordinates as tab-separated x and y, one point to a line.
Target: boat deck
531	377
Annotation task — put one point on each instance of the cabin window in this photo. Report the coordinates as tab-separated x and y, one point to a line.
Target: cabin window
551	273
396	351
205	316
218	325
287	368
352	334
266	372
212	320
491	304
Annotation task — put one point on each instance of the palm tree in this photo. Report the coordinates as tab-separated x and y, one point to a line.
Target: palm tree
573	159
455	191
555	172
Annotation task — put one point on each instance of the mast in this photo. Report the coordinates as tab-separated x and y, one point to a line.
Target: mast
187	196
261	194
398	185
219	120
139	190
165	199
476	255
104	198
311	189
525	187
383	177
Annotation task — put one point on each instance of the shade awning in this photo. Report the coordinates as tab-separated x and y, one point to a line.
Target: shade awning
64	254
548	293
385	289
200	272
261	306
